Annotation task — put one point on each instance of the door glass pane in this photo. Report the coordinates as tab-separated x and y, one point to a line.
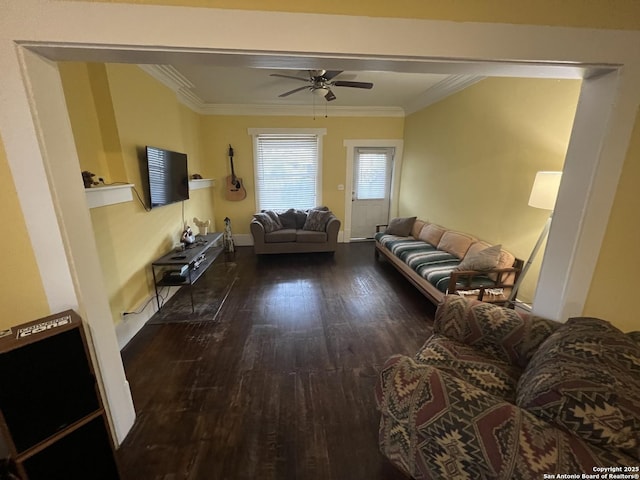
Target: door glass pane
371	175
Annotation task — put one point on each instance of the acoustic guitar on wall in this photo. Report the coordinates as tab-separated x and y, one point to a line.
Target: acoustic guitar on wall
235	190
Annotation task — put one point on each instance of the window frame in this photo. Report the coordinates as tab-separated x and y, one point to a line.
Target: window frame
389	153
318	132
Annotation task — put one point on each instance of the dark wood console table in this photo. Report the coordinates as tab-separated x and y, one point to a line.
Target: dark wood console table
185	267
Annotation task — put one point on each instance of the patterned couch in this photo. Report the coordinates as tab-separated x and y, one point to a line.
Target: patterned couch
494	394
438	261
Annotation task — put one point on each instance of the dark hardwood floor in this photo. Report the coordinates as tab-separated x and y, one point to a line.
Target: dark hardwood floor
278	382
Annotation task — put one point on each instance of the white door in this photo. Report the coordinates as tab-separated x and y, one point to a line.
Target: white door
371	190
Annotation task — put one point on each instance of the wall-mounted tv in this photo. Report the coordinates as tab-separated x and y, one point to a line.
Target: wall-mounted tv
167	175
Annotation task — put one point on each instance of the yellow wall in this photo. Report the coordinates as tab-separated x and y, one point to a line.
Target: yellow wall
619	14
470	160
616	304
220	131
92	118
115	111
616	279
22	294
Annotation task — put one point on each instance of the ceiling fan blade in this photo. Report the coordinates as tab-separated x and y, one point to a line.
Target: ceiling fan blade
288	76
329	96
329	74
286	94
343	83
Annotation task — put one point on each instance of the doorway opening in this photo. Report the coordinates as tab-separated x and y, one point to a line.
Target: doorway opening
393	150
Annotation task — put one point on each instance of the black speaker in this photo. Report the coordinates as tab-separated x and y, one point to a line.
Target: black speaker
51	413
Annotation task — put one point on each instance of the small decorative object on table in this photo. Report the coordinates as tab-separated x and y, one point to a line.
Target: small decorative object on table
228	236
87	179
187	235
203	226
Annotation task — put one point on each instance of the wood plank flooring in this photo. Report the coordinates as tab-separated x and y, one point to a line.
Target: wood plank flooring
279	383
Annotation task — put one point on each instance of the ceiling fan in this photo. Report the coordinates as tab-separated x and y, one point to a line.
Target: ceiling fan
320	83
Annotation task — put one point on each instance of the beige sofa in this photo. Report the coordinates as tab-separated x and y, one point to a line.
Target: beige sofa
295	231
438	261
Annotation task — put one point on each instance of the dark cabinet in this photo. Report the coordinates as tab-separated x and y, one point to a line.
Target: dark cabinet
52	418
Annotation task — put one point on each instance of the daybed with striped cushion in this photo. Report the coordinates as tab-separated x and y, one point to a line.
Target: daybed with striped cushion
429	258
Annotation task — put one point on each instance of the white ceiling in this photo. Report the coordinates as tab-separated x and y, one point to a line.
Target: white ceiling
222	82
216	89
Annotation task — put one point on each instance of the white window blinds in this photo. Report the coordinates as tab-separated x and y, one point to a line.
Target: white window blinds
373	171
287	167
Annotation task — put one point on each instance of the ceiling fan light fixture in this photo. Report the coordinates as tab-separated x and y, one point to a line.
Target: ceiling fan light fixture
320	83
320	92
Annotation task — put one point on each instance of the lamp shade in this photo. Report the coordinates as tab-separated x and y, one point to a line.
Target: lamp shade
545	190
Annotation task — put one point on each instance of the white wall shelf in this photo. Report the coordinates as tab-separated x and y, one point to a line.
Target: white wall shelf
108	195
201	183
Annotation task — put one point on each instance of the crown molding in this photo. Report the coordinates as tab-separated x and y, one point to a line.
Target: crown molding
184	90
168	76
441	90
302	110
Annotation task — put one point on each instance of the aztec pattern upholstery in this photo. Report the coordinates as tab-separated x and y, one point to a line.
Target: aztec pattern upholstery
460	408
507	335
600	404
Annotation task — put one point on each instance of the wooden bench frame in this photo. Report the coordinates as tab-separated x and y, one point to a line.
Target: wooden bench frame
457	276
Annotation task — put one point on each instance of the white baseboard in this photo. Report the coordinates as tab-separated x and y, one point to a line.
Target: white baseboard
131	324
246	239
243	240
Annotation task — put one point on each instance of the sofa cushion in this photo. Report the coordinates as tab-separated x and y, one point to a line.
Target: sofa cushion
455	243
280	236
586	378
267	222
435	266
480	258
472	365
506	259
432	234
274	216
310	236
317	220
418	225
507	335
289	218
400	226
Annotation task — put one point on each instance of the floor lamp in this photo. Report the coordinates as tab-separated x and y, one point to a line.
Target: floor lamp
543	195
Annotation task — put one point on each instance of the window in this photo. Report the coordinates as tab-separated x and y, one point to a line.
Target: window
287	168
372	173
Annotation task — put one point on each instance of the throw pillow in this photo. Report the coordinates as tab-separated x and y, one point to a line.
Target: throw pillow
400	226
288	219
601	403
317	220
274	216
267	222
481	261
431	234
301	217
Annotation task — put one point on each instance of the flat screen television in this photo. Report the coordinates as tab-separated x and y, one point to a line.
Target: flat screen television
167	175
